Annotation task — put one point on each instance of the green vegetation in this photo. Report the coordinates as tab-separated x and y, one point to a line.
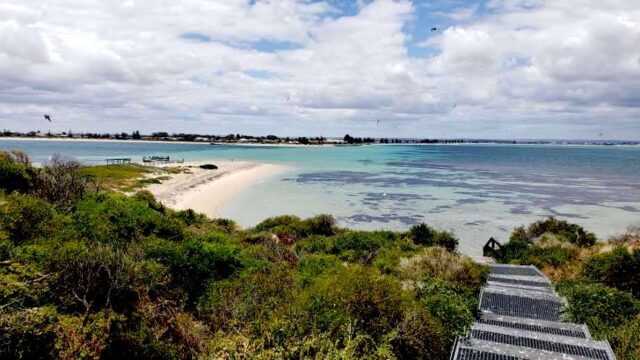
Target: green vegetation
125	177
600	281
100	275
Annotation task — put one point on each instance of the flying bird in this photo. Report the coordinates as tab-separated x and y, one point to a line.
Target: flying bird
47	117
378	122
433	29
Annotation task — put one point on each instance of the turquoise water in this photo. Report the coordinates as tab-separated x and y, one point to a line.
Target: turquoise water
477	191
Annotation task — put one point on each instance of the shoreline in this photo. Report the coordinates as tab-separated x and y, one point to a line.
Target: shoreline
574	143
207	191
104	140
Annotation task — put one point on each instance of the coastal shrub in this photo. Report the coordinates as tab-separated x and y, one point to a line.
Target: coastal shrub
148	335
227	225
449	304
520	235
13	174
5	246
555	256
194	262
119	219
436	262
423	234
248	299
90	278
420	335
572	233
447	240
387	259
600	307
147	196
60	182
359	246
321	225
28	333
357	296
618	268
311	266
547	242
625	339
84	337
287	228
25	218
277	221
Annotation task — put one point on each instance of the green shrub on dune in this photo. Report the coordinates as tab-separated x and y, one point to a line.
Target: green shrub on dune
13	173
600	307
423	234
619	268
25	218
106	276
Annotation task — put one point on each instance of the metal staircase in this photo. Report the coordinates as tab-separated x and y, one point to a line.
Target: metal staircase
520	319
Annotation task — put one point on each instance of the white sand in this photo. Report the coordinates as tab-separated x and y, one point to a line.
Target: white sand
206	191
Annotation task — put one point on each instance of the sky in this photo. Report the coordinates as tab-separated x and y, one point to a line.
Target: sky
555	69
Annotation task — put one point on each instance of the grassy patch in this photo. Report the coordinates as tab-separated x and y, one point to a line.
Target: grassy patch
140	183
120	177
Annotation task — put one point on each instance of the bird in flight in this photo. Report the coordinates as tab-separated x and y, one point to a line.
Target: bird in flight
47	117
378	122
433	29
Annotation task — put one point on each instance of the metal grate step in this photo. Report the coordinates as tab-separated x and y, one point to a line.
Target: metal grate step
586	348
543	308
469	348
546	327
520	280
470	354
515	270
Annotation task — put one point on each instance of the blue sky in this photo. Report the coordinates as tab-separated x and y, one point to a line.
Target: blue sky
493	68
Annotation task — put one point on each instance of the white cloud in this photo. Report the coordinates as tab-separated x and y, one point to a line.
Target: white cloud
507	70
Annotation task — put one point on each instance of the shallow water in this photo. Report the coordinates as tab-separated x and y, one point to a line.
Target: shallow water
477	191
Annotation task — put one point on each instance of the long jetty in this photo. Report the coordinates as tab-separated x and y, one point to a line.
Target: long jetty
520	318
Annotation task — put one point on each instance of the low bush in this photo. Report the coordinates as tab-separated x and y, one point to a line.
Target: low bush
450	304
572	233
25	219
13	174
321	225
618	268
438	263
423	234
118	219
28	333
547	256
600	307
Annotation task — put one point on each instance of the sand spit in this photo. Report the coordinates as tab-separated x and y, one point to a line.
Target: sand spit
206	191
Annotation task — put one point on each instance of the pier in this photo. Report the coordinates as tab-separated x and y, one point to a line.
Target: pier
118	161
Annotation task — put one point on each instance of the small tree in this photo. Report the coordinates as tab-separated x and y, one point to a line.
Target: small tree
60	182
423	234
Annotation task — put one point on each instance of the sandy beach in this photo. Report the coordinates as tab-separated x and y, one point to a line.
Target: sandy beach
206	191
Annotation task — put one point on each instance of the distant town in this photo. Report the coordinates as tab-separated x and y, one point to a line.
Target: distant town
240	139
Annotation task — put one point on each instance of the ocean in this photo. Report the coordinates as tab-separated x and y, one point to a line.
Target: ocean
476	191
